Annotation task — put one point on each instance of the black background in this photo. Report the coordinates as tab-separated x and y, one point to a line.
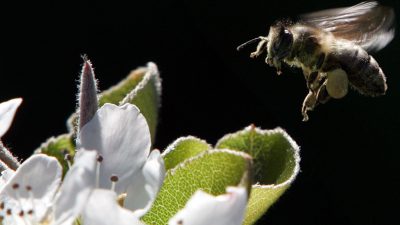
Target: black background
349	148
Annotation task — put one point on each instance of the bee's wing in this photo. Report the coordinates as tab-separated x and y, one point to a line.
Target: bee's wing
367	24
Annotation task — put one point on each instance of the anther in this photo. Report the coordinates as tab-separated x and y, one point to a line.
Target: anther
99	158
1	205
21	213
8	212
180	222
15	186
67	157
28	188
114	179
30	212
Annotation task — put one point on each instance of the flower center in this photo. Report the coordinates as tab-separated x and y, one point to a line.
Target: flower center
20	209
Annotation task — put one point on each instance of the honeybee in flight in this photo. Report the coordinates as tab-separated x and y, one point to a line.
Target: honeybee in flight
331	47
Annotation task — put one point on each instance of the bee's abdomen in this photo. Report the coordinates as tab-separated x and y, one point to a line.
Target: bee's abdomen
362	70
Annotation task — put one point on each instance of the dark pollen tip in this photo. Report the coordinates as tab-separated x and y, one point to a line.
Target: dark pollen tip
114	178
15	186
99	158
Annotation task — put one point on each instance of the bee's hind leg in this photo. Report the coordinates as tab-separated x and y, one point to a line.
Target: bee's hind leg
322	94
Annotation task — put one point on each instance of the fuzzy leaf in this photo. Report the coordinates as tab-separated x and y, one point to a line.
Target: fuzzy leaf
211	171
276	164
142	87
58	147
182	149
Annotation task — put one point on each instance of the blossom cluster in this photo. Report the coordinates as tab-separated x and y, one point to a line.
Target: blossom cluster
113	177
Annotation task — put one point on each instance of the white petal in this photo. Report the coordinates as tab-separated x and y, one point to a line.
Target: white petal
145	186
42	174
103	209
7	112
76	188
203	208
121	135
5	176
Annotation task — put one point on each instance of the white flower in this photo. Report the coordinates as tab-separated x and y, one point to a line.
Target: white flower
29	194
7	112
33	194
121	136
203	208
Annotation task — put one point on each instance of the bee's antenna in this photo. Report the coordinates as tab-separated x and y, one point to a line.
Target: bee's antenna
240	47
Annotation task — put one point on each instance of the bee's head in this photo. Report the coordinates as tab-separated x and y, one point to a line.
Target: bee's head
278	44
280	41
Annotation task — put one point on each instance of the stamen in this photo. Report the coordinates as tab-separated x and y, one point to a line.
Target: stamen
1	205
99	160
15	186
30	212
8	212
68	158
180	222
114	180
21	213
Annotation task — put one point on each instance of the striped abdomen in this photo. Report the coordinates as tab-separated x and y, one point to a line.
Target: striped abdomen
363	71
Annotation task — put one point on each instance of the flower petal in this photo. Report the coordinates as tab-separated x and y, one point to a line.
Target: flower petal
7	112
37	179
203	208
121	135
77	187
103	209
145	186
6	175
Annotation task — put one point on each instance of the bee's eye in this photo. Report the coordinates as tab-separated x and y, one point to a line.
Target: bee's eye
286	38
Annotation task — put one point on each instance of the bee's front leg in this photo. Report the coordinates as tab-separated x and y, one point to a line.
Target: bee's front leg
261	47
316	83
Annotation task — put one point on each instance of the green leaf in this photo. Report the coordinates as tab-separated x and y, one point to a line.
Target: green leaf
142	87
211	171
182	149
147	96
276	164
58	147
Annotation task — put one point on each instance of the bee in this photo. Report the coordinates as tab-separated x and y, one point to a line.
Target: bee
332	48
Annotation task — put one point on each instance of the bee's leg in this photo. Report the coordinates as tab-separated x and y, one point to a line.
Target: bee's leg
308	104
322	94
310	79
260	47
